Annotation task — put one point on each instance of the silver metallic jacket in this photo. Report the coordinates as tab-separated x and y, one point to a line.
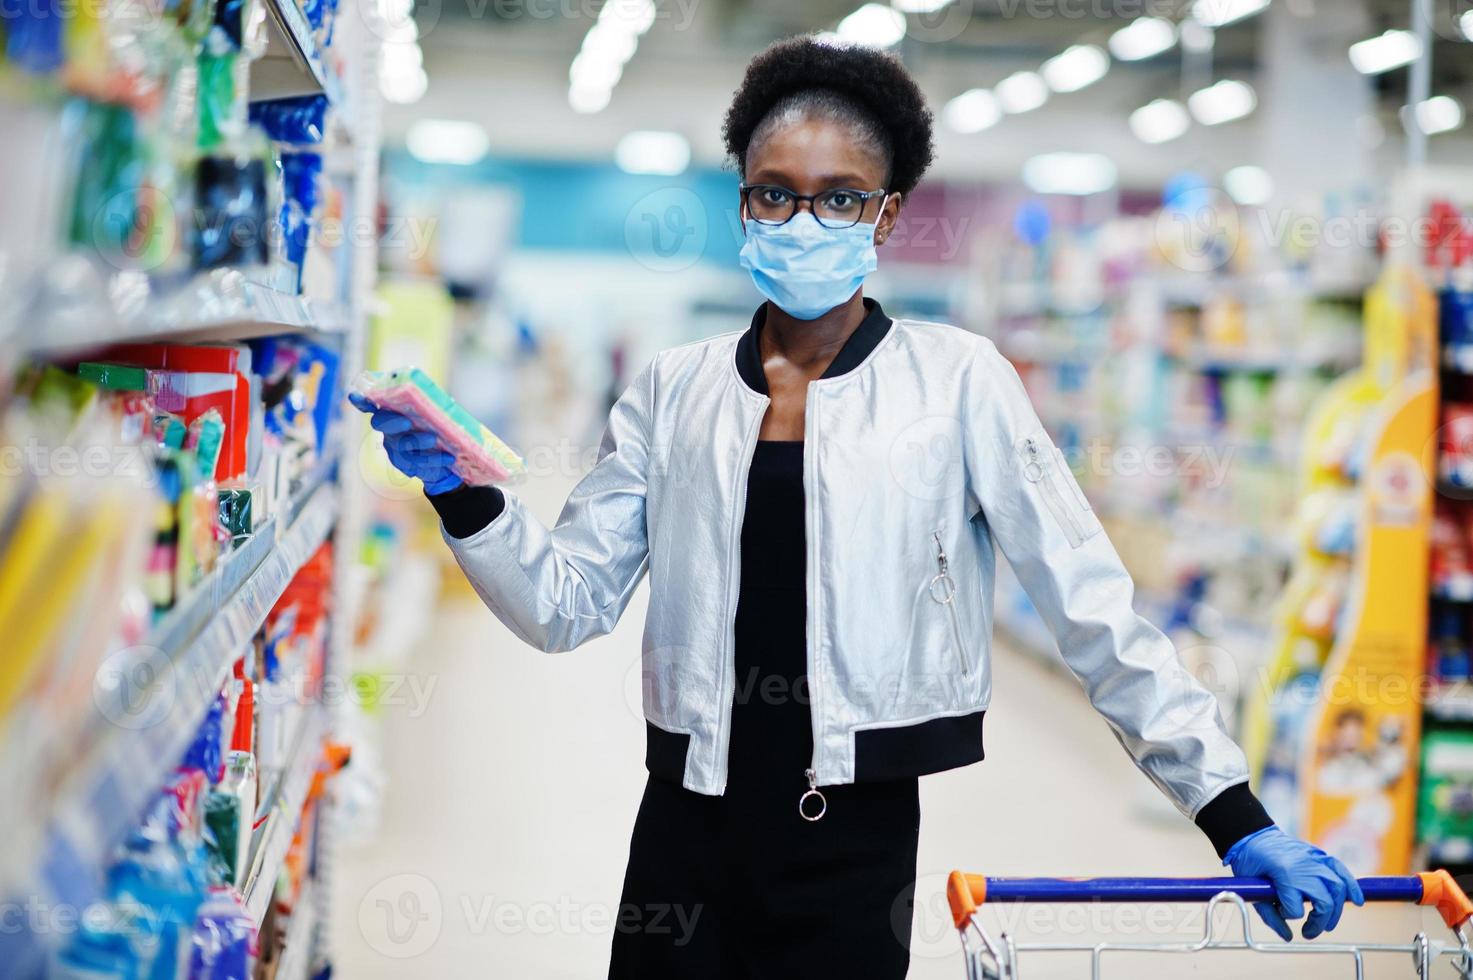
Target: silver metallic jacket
922	452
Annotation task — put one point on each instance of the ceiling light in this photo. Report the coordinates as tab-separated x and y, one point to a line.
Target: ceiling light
404	31
1439	114
1220	13
1381	54
404	87
1465	24
589	71
447	141
1077	67
401	58
393	11
918	6
1069	173
651	151
1196	37
1145	37
630	16
609	43
972	111
588	99
1160	121
1021	91
1249	186
1223	102
874	25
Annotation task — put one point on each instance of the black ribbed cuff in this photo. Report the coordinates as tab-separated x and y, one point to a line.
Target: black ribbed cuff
1233	815
466	510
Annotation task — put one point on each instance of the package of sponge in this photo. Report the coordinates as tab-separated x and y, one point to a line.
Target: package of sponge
481	459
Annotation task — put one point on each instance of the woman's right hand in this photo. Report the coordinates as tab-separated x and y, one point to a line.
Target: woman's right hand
414	452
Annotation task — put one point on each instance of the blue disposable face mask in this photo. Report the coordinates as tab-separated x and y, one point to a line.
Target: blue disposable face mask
805	268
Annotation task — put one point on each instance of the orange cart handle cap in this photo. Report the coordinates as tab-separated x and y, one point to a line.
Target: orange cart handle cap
1440	889
965	893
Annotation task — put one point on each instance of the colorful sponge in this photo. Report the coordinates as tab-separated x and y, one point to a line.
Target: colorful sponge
481	459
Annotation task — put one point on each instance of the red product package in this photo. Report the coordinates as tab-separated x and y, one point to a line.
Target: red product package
1456	445
199	378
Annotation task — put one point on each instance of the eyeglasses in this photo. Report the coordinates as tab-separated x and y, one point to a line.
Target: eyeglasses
771	204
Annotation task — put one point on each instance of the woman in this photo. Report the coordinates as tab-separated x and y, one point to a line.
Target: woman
820	591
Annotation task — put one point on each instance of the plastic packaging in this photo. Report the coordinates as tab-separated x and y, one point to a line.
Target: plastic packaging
299	175
207	752
231	213
218	106
299	120
230	811
33	36
223	946
481	458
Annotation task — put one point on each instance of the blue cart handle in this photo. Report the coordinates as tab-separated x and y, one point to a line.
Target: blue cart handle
966	892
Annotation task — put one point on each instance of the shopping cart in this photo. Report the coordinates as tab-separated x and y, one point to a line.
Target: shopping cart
997	959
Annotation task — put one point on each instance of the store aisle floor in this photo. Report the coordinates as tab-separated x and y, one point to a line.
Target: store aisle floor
514	780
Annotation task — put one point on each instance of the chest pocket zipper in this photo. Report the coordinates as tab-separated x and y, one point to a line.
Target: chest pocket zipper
943	591
1063	498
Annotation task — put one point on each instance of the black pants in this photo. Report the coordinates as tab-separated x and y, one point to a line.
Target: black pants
740	886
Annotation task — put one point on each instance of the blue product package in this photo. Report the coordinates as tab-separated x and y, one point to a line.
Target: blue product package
298	120
94	954
222	944
1455	317
299	173
34	36
319	370
163	885
207	752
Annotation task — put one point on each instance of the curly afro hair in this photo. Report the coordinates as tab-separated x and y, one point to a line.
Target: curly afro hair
860	86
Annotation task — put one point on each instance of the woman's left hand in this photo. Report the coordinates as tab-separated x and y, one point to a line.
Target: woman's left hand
1301	873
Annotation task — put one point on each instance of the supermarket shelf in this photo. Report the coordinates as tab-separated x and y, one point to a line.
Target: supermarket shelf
161	691
1228	361
274	838
291	64
297	946
226	304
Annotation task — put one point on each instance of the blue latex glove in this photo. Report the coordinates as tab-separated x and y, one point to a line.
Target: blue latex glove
414	452
1300	873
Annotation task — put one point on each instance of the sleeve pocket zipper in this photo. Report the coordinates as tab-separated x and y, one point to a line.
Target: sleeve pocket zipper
1071	511
943	591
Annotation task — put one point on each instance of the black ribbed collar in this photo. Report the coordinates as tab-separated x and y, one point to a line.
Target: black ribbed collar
865	338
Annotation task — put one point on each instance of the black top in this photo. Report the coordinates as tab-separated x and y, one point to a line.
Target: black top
771	727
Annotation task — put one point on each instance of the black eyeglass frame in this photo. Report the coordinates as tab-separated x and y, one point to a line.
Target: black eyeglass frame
864	198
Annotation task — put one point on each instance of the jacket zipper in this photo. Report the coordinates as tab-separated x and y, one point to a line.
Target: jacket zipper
733	588
943	590
810	537
1042	471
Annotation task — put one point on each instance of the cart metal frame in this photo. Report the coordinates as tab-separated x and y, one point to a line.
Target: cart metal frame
998	959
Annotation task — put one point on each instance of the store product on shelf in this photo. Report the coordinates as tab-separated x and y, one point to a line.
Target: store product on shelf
1445	802
1455	457
1330	741
481	458
1451	539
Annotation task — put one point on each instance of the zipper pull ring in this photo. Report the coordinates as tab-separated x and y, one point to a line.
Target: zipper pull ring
942	588
823	804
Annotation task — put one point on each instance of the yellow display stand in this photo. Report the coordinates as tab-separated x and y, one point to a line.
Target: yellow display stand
1357	750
